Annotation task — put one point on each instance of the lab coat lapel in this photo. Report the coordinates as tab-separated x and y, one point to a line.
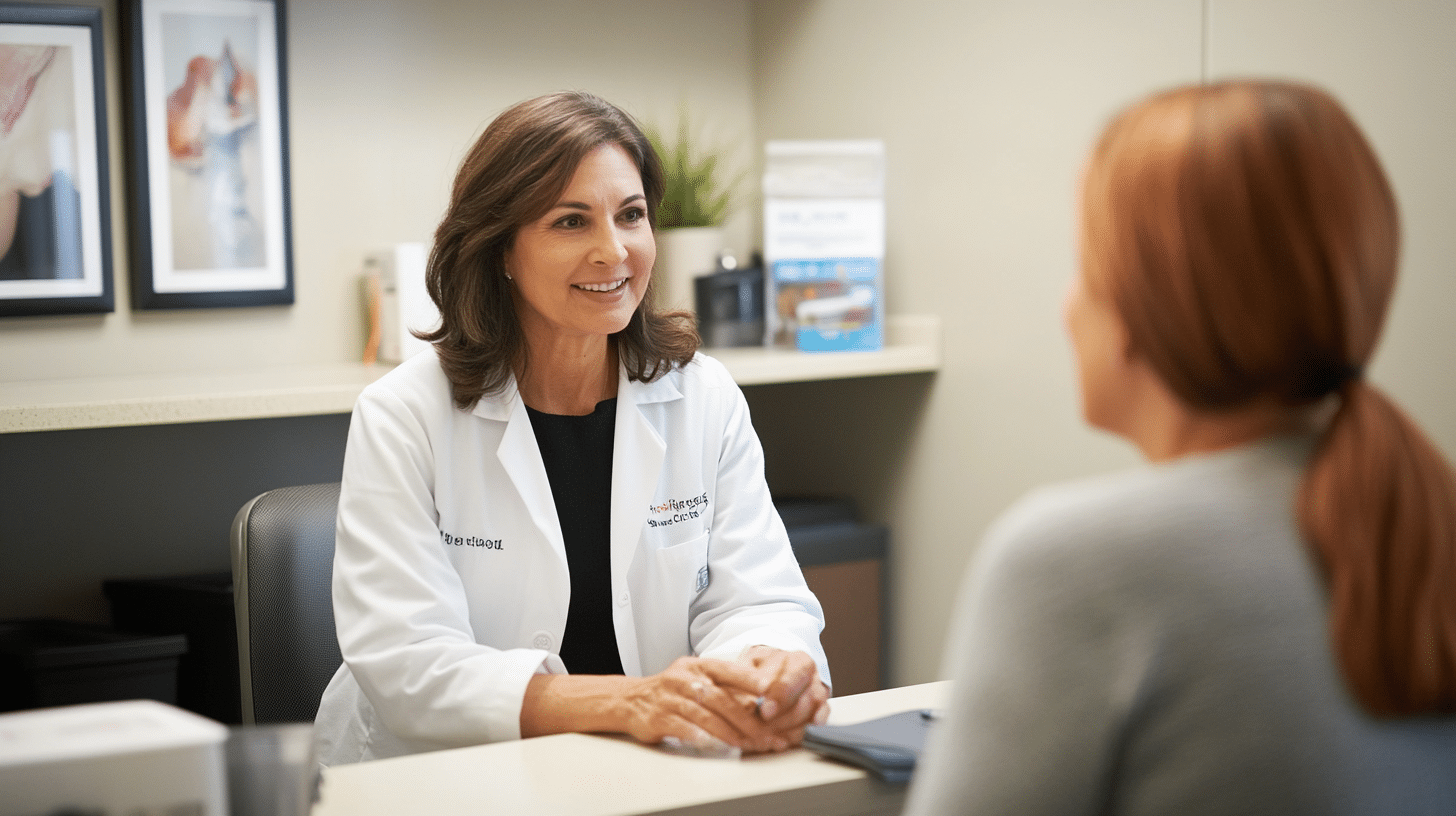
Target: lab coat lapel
637	458
520	458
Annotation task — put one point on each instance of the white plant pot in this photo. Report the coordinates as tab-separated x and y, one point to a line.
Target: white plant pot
684	253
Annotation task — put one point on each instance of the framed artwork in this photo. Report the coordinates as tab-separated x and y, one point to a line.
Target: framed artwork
209	153
55	224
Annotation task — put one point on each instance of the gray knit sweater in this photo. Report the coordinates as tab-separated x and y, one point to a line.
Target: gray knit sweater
1155	642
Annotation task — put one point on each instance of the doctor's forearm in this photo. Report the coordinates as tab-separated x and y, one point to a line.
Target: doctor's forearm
563	703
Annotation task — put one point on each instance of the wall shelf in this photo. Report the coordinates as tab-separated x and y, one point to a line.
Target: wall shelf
912	345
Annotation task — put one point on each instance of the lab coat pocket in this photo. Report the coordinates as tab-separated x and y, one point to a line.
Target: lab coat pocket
666	584
682	573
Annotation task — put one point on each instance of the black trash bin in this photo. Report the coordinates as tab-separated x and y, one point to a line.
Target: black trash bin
200	607
54	662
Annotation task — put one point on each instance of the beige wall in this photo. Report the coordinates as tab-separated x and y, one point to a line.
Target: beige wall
987	109
384	98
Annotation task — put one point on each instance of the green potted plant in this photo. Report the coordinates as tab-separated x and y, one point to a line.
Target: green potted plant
690	218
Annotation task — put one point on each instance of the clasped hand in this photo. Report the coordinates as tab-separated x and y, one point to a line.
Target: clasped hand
760	702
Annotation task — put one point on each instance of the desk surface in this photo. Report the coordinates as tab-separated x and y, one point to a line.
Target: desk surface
589	775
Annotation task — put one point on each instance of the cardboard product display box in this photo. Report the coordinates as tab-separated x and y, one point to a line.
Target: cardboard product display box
824	244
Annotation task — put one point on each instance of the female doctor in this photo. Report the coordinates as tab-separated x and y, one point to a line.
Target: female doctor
558	521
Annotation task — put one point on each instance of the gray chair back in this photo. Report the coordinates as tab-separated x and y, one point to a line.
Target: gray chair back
283	557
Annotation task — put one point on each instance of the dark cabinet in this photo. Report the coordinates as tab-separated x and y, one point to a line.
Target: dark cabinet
844	564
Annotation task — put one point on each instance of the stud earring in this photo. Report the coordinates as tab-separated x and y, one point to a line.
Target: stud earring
508	277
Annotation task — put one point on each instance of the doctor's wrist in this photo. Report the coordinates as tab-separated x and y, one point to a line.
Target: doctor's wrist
567	703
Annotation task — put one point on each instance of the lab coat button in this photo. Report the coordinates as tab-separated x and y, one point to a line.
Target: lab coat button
624	598
541	640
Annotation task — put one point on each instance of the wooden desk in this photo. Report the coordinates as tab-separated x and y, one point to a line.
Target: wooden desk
588	775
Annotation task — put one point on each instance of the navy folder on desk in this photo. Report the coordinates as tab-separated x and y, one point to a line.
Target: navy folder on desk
887	746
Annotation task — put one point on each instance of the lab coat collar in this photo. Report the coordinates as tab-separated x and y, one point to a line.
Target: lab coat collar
500	405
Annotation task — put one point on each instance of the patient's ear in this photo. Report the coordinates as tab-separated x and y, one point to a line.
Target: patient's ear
1121	339
1135	363
1130	352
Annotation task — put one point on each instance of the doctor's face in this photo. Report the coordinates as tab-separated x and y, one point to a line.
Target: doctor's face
582	268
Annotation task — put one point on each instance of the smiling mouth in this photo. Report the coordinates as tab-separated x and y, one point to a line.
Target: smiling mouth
611	286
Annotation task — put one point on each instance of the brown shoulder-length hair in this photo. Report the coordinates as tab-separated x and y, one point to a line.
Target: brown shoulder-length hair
513	175
1248	239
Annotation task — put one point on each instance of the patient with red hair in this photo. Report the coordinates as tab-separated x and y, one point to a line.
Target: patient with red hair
1262	617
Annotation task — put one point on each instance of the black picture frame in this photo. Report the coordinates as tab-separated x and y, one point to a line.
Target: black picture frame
207	115
57	255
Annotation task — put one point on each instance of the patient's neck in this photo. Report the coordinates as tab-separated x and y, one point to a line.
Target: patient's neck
1165	428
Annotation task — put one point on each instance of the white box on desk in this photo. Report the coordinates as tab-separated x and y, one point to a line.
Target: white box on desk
111	759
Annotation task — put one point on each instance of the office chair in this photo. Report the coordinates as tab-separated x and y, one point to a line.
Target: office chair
283	556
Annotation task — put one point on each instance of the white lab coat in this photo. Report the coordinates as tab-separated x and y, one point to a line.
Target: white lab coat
450	578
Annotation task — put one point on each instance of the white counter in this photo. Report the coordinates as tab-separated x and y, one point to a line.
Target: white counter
104	402
589	775
912	345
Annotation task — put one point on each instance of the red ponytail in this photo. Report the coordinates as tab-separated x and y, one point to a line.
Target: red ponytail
1378	502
